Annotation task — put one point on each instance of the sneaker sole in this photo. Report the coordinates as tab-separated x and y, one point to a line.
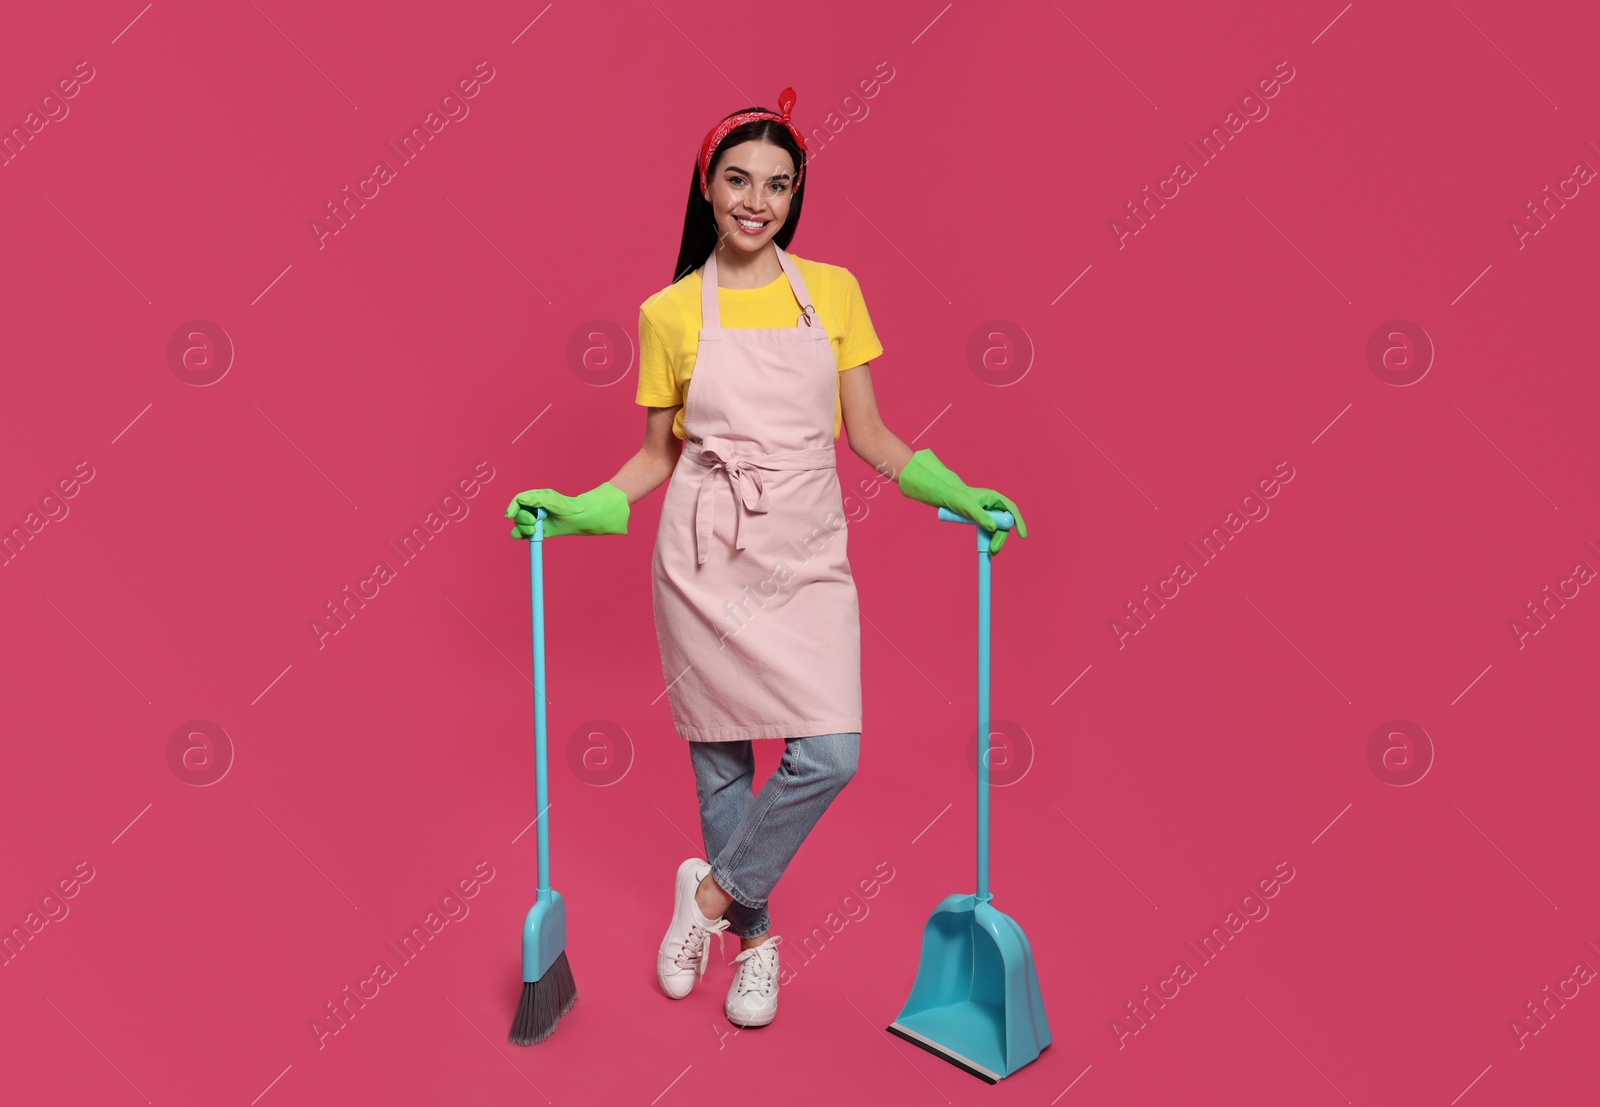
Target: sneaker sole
752	1025
670	994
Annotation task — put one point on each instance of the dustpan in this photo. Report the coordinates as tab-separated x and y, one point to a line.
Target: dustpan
976	1001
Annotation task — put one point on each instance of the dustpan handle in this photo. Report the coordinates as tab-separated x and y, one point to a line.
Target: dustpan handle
1002	521
540	766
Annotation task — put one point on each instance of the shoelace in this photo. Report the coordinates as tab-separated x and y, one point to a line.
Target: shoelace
695	950
759	967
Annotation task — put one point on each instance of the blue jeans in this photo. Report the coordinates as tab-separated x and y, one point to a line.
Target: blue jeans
750	839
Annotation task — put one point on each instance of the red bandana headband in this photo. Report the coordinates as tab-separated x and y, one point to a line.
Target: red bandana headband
713	139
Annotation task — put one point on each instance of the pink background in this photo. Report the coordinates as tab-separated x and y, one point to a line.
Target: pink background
1160	778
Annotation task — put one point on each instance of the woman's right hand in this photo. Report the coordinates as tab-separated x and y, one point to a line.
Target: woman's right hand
601	510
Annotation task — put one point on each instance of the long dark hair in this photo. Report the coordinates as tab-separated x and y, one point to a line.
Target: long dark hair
700	222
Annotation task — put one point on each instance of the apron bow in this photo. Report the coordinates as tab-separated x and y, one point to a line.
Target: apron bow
744	476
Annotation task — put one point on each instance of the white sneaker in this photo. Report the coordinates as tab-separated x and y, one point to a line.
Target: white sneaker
753	997
681	960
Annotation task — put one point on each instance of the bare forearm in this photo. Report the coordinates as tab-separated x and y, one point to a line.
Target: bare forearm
643	473
880	448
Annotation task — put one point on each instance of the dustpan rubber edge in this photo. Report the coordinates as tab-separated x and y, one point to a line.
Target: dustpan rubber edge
943	1054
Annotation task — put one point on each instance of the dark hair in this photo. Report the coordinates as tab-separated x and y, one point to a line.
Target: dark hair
700	222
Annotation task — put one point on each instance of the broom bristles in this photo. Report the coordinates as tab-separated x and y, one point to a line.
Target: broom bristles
543	1003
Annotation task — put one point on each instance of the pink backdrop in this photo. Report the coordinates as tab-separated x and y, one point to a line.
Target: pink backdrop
1348	296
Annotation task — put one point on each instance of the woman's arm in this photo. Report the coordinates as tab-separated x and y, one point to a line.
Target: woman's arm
648	469
928	480
870	440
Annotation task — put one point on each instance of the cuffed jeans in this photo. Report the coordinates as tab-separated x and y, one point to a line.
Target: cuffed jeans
750	839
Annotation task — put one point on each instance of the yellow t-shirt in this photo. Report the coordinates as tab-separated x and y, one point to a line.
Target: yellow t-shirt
669	328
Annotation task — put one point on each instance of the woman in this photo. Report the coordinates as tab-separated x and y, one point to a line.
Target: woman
755	606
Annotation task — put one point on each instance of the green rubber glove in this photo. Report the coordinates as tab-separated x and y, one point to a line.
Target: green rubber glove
926	480
601	510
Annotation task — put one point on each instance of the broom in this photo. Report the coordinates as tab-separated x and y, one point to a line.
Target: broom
548	990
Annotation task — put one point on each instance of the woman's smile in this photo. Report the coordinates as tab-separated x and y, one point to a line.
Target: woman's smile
751	190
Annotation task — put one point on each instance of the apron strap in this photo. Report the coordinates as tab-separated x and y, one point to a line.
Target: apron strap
711	311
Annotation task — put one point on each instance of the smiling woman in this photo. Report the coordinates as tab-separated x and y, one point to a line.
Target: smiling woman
751	362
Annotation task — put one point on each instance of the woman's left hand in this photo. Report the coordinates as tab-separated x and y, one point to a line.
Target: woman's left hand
987	499
927	480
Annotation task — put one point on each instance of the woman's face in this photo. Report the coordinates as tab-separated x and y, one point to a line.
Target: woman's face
749	193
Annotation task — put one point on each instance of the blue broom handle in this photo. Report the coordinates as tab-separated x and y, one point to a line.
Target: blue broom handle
541	768
1002	521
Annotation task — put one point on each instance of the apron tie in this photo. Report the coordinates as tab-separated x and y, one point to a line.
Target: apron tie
748	488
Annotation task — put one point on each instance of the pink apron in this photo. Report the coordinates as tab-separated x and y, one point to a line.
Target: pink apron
755	607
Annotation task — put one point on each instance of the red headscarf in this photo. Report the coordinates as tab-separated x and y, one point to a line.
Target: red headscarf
714	137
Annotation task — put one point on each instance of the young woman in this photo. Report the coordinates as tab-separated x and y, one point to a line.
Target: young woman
755	606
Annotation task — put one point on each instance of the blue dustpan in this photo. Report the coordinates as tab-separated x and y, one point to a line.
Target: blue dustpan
976	999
